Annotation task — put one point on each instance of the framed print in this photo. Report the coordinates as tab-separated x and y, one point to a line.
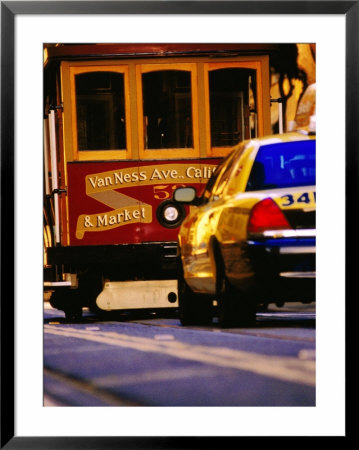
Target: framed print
25	27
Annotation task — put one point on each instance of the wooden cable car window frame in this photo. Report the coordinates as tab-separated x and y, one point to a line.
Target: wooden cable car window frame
257	66
110	154
168	153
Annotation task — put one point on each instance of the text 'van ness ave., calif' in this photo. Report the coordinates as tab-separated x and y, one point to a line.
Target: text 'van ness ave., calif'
146	175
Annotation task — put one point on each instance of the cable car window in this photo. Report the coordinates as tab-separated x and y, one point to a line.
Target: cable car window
167	109
100	106
231	102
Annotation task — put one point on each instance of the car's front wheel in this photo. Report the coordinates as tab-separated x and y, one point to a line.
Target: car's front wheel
194	309
233	310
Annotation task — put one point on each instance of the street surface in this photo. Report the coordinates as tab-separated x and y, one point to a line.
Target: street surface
145	359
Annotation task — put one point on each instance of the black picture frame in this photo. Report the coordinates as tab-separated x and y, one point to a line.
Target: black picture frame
9	10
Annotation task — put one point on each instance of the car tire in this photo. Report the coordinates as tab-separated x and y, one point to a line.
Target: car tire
194	309
233	310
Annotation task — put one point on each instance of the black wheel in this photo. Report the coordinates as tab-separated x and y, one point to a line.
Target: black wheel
68	301
90	286
194	309
73	314
233	309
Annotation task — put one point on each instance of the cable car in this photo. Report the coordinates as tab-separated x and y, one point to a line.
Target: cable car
125	125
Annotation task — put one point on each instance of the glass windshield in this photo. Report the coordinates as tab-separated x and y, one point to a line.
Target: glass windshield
285	164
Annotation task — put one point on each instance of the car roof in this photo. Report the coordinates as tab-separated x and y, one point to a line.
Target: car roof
253	145
285	137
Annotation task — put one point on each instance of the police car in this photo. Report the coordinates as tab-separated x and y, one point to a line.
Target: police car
250	238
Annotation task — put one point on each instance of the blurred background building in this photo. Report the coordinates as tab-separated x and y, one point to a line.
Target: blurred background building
293	69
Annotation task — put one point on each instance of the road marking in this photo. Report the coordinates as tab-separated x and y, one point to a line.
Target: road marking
280	367
294	314
64	386
151	377
50	402
307	354
164	337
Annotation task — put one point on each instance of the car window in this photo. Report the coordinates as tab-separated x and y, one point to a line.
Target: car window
212	182
284	164
223	178
220	177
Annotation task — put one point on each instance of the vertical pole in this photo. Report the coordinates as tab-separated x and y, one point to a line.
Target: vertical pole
54	173
46	156
280	113
280	119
